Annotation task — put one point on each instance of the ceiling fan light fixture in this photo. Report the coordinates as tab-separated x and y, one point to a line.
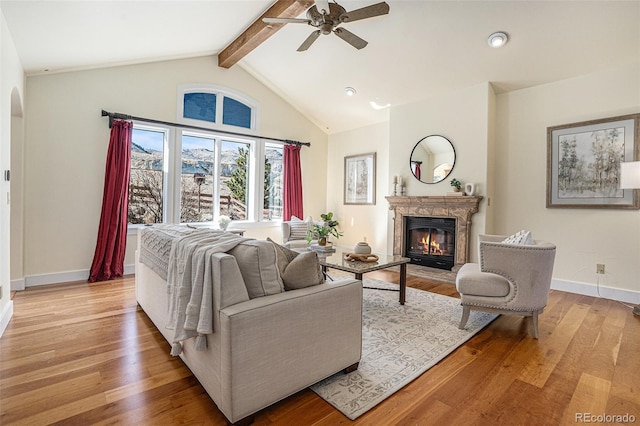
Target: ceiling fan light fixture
350	91
498	39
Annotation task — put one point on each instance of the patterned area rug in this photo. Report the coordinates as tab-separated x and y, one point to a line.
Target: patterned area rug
399	344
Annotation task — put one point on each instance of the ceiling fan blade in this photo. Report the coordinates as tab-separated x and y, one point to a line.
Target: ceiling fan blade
366	12
285	21
350	38
309	41
323	5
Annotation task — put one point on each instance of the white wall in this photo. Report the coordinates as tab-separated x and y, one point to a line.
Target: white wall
583	237
67	139
11	88
359	221
465	118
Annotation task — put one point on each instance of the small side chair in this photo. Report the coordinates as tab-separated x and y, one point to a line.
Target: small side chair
510	279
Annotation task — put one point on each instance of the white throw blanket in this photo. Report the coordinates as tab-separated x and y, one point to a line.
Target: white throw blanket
190	284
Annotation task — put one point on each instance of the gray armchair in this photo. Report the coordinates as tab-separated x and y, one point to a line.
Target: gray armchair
510	279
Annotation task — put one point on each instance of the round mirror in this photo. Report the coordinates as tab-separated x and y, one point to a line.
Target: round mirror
432	159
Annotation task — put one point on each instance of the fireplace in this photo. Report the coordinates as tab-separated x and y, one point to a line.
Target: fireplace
430	241
457	209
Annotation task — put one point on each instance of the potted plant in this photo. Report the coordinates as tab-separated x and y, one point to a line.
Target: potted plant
455	183
328	228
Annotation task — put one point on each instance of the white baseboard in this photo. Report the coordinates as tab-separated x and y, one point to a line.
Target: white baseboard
5	316
628	296
17	285
64	277
586	289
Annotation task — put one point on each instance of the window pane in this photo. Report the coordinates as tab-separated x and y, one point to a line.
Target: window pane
236	113
200	106
145	181
234	178
196	179
273	183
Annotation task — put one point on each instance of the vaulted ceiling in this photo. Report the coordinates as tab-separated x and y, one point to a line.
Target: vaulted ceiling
419	50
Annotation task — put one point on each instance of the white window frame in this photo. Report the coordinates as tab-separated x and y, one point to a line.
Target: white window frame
168	195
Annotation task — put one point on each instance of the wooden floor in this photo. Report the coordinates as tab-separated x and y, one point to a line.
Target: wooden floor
83	354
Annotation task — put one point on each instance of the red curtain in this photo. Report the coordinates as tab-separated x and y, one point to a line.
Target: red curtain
108	260
292	183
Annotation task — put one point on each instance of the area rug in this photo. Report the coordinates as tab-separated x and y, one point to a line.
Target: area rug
399	343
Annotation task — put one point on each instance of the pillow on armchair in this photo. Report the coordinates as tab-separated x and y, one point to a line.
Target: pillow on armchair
295	232
522	237
299	228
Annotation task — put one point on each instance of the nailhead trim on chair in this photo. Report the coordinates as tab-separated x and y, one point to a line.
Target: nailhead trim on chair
480	305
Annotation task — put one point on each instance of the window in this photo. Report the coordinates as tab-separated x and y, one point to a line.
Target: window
216	107
146	181
235	113
196	179
215	175
273	182
200	106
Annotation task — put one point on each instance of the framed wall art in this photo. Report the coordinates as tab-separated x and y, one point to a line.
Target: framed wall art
583	163
360	179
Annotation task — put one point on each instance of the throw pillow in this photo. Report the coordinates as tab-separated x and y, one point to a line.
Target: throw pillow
299	229
522	237
297	270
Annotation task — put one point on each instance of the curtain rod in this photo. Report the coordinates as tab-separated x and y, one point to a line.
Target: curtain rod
120	116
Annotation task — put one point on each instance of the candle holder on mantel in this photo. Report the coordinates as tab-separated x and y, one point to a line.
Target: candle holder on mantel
402	187
395	186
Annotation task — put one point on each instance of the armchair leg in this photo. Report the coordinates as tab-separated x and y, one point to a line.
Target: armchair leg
534	324
465	316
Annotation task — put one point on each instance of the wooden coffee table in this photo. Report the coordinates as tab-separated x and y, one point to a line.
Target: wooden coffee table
336	260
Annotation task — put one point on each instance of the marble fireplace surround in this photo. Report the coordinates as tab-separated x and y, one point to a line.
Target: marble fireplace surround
460	208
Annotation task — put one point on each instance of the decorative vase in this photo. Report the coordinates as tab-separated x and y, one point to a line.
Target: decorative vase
322	241
470	189
223	226
362	248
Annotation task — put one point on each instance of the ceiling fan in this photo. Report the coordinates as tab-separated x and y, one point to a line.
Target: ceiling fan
327	16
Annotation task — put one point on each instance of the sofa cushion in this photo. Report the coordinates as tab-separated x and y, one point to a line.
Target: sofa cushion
522	238
257	262
297	270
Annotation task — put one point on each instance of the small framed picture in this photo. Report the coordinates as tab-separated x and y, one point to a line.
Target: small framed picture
583	163
360	179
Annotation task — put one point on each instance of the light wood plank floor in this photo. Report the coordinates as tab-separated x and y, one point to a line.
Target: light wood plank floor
83	354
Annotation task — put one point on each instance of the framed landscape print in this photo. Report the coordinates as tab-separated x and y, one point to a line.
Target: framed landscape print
583	163
360	179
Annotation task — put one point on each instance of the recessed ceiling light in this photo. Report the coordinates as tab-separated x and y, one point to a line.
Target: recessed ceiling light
350	91
498	39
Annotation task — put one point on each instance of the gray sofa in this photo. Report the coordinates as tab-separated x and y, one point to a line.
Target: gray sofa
266	348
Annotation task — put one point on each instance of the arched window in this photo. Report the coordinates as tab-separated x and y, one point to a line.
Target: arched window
215	107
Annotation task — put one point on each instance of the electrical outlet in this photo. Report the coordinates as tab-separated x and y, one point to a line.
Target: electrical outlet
599	268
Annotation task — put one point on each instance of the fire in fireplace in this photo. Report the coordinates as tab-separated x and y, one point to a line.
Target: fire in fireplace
430	241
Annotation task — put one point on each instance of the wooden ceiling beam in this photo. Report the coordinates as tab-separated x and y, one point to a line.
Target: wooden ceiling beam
259	32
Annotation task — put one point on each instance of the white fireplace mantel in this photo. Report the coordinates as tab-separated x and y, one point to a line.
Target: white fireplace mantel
460	208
